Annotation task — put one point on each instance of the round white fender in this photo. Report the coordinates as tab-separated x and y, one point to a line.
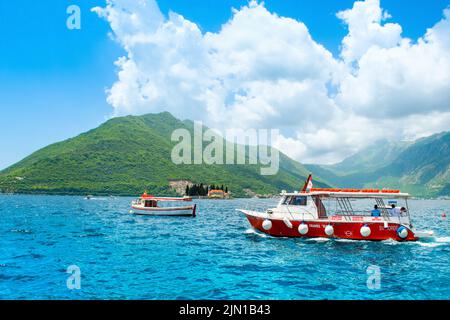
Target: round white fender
267	225
303	228
402	232
365	231
329	230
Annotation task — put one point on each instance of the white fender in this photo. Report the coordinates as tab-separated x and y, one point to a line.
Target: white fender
303	228
267	225
329	230
402	232
365	231
287	222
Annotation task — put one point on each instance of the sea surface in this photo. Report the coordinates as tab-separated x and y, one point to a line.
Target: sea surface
214	256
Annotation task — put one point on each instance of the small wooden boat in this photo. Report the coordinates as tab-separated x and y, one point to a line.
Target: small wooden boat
149	205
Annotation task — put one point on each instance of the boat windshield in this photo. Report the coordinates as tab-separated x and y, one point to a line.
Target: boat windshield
295	200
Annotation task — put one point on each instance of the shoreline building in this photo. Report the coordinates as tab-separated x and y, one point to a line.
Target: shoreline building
218	194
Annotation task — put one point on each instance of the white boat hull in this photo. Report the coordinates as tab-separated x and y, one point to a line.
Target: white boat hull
188	211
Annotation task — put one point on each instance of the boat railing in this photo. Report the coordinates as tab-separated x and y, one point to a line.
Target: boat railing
382	206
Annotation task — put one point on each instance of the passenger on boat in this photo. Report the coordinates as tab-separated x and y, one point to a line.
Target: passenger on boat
376	212
395	212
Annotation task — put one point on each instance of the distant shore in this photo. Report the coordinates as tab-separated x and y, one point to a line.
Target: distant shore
97	195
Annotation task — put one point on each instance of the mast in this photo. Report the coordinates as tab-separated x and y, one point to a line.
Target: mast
308	184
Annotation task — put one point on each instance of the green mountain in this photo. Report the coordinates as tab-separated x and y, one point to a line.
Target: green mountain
353	169
421	167
126	155
371	158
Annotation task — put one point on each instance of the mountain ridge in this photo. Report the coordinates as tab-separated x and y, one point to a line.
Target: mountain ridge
126	155
421	167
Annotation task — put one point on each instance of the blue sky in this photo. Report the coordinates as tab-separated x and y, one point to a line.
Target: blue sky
53	80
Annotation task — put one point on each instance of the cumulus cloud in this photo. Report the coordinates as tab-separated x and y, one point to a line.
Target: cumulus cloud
265	71
366	31
403	80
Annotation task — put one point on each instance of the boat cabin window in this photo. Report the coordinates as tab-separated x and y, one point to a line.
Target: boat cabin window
298	201
150	203
295	201
321	210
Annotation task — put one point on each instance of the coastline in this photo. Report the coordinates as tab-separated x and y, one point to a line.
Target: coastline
128	195
117	195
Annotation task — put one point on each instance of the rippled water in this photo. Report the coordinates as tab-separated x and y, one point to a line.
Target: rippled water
214	256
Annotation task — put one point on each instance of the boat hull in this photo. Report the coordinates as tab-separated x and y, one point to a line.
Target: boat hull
316	229
188	211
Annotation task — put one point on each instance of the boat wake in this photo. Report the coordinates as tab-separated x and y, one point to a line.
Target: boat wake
351	240
391	242
96	199
430	242
318	239
443	239
434	242
254	232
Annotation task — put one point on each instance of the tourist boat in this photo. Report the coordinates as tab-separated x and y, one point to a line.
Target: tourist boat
155	206
338	213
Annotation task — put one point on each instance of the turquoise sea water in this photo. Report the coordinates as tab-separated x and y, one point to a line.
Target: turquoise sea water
214	256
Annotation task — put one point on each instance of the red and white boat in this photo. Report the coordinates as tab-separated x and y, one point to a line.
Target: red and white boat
338	213
156	206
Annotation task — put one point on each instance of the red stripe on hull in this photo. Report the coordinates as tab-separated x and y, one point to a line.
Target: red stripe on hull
342	230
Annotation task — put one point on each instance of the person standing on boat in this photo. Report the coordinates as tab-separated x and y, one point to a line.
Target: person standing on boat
376	212
395	212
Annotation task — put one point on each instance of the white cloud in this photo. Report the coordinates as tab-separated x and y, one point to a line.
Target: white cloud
410	78
366	31
419	126
265	71
166	67
131	20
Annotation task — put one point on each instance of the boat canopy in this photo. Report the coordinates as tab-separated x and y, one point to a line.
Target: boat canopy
351	193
